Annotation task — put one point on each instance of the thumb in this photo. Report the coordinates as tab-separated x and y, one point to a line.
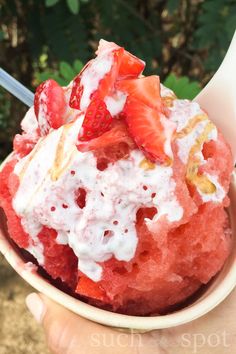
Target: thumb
68	333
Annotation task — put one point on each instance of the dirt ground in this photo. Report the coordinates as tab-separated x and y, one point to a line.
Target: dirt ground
19	333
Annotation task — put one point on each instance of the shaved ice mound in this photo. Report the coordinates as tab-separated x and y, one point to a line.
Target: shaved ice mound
120	189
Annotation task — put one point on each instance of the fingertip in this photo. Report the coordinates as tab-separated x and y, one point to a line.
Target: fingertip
36	306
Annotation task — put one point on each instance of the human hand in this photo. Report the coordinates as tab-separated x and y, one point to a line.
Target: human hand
68	333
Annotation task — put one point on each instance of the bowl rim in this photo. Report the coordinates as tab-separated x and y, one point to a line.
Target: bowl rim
141	323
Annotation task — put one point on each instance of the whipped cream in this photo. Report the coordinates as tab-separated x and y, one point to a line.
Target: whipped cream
92	75
29	124
105	227
219	194
115	103
182	113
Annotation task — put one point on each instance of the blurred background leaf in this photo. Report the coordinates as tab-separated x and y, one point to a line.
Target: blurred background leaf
74	6
183	41
63	75
182	86
51	2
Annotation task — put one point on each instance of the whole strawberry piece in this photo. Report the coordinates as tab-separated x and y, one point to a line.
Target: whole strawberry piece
49	105
97	120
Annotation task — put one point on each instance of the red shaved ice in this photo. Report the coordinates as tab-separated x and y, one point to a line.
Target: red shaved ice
127	208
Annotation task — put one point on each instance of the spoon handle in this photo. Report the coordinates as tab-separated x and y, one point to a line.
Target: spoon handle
16	88
218	98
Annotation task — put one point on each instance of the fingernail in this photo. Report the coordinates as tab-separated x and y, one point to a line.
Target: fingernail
36	306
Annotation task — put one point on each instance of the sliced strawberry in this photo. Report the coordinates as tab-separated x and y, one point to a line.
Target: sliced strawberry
77	88
76	92
37	95
97	120
117	134
145	89
112	146
49	105
105	47
24	144
89	288
107	83
131	66
146	127
96	86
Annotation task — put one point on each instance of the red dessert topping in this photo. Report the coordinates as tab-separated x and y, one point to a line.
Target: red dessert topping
144	125
97	120
131	66
49	105
144	89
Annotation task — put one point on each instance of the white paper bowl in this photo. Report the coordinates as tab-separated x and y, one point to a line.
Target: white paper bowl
215	292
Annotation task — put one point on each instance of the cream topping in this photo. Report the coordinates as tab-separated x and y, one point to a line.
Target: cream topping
192	123
113	195
30	124
115	103
92	75
219	193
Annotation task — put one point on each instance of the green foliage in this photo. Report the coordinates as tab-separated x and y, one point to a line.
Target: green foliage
49	3
172	5
65	34
63	75
128	27
216	25
74	6
182	86
4	108
183	41
1	35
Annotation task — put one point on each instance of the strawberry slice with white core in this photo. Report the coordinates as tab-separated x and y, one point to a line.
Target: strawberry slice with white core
49	106
145	89
117	134
105	47
92	76
96	80
97	120
77	88
131	66
106	85
150	129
